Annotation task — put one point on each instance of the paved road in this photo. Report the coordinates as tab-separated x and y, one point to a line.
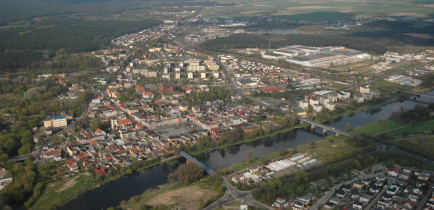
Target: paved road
425	199
377	197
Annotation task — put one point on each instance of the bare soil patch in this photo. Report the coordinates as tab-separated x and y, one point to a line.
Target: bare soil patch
407	14
68	184
185	198
420	36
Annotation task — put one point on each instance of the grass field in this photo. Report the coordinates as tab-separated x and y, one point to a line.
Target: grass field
394	128
422	145
382	84
60	192
377	127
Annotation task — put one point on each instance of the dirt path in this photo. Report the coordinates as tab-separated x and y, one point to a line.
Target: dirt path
68	184
185	198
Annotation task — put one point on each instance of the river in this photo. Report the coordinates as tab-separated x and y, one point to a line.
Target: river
111	194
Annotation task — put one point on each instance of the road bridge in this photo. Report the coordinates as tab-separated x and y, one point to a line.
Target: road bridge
325	128
232	193
198	163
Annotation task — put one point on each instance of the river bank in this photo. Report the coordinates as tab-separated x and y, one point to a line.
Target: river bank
54	197
220	156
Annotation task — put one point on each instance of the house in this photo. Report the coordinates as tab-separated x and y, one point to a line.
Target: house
365	199
317	107
72	165
56	122
364	89
358	184
358	205
101	171
393	172
380	178
335	200
280	203
329	205
358	98
276	89
343	96
303	104
424	176
392	190
404	176
409	205
341	193
307	199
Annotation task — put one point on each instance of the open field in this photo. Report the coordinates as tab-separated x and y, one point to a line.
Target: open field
378	127
382	84
173	195
60	192
418	144
394	128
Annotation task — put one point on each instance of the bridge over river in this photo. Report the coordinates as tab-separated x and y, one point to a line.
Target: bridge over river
231	194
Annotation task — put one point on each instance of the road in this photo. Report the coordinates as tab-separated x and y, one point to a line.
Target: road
233	194
425	199
72	125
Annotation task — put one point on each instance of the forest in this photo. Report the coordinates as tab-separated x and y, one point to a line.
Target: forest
20	47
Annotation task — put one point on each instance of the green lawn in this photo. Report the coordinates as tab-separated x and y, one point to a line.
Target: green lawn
377	127
394	128
382	84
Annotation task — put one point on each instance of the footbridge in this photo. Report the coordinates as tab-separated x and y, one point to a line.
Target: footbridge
198	163
325	128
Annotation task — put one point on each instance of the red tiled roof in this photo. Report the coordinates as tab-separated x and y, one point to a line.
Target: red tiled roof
93	142
54	152
140	88
272	89
70	162
126	121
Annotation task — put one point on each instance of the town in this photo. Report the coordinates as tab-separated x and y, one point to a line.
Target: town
172	95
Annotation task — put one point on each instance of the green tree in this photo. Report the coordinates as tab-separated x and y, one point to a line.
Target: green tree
301	177
250	155
348	127
186	173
